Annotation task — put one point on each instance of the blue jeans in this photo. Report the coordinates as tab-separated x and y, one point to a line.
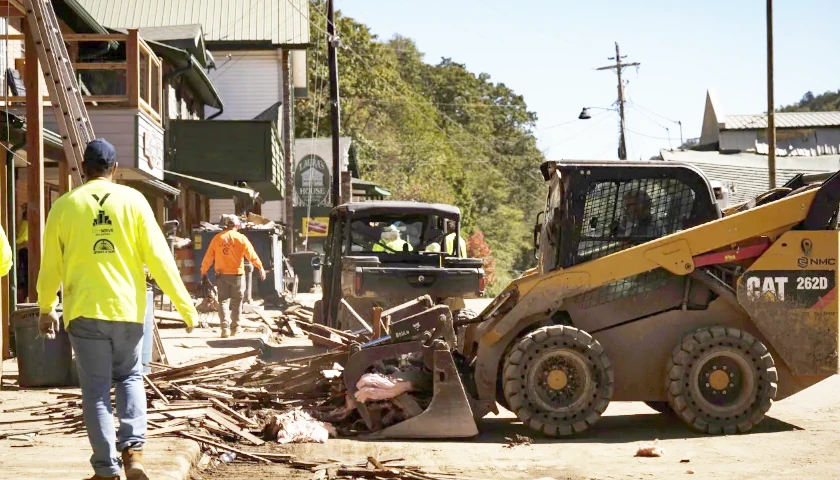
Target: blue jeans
105	352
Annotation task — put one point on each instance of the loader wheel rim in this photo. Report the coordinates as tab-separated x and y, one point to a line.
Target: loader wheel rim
552	394
724	382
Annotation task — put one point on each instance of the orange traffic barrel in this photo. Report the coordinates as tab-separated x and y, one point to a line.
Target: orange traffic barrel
185	259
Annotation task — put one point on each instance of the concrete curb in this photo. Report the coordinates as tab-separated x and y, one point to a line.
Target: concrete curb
184	458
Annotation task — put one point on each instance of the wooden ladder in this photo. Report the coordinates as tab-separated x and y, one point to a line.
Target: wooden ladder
66	97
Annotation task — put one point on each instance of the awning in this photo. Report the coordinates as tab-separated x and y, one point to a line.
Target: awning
162	186
371	189
182	59
212	188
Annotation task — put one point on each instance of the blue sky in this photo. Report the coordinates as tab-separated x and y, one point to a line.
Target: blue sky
548	50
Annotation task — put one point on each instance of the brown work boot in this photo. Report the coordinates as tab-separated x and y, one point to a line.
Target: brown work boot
233	330
133	464
225	333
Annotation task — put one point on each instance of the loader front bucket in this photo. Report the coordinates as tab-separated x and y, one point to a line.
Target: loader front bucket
449	415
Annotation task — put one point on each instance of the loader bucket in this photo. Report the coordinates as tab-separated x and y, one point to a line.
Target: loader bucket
449	415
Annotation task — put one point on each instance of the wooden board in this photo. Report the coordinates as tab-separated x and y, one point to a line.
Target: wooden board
193	367
231	425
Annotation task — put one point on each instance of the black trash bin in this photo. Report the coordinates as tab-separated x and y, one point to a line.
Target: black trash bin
302	263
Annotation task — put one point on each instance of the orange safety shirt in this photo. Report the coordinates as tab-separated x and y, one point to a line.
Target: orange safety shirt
227	250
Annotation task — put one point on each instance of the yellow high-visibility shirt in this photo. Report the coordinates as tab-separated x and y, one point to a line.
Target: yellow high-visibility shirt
22	234
5	254
394	246
462	245
96	241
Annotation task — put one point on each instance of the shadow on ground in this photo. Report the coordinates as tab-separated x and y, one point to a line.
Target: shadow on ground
610	429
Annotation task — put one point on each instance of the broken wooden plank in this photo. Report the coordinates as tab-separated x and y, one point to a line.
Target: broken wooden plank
244	421
155	389
228	423
163	431
356	316
207	392
325	342
187	369
202	439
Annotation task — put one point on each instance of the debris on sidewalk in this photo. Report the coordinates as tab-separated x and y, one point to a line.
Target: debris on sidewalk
654	449
518	440
371	468
297	426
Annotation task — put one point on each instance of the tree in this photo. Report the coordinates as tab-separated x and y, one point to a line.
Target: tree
432	132
477	247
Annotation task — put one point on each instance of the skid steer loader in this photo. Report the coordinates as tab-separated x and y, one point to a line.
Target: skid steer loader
645	290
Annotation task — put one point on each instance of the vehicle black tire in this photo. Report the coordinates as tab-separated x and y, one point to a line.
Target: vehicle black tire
661	407
721	380
558	380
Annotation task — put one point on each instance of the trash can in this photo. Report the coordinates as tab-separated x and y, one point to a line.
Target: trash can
42	362
302	264
148	330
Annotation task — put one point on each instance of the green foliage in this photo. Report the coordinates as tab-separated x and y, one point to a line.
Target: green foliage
827	102
432	133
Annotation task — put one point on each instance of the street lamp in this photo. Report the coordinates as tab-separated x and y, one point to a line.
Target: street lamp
584	113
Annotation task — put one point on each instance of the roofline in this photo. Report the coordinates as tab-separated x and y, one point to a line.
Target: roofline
234	45
392	206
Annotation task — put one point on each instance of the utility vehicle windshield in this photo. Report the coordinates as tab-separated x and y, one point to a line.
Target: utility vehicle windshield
393	234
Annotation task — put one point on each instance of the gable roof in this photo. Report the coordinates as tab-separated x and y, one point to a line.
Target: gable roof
783	120
279	23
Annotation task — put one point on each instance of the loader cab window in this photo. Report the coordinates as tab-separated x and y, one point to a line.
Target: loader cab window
623	213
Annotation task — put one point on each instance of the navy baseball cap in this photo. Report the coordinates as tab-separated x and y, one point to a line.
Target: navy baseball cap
100	153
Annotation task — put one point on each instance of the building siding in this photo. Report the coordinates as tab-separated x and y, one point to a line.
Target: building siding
250	82
273	210
219	207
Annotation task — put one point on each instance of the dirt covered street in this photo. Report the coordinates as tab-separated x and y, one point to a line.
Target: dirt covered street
798	439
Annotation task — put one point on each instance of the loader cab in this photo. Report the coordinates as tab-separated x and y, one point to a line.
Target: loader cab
596	208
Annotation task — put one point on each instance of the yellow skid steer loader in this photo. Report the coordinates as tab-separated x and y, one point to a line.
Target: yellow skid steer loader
646	291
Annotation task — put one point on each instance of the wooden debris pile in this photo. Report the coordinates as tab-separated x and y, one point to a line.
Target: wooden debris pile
391	468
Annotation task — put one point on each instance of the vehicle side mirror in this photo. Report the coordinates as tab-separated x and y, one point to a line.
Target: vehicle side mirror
316	263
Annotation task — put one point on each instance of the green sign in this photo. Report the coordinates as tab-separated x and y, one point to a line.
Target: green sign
312	181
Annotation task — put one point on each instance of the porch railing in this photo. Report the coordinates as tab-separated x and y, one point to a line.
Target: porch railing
128	77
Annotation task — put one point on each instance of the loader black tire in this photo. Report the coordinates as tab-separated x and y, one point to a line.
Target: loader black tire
558	380
721	380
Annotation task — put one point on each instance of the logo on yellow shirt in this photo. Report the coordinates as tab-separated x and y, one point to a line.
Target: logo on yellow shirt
103	246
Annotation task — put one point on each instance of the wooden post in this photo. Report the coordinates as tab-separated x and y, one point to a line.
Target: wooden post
5	313
132	74
376	322
289	152
35	156
160	210
65	182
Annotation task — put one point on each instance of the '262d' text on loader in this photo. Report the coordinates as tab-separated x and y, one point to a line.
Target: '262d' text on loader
645	290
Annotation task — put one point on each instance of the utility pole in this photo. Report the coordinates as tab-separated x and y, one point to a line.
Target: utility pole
771	107
618	67
335	116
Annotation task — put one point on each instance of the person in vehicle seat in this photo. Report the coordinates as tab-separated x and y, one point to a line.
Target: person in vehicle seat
449	241
390	241
637	218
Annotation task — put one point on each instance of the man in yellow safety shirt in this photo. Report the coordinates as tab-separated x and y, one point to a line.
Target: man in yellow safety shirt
449	242
97	240
21	245
390	241
227	251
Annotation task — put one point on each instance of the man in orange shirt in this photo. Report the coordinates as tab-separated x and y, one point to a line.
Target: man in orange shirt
227	249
